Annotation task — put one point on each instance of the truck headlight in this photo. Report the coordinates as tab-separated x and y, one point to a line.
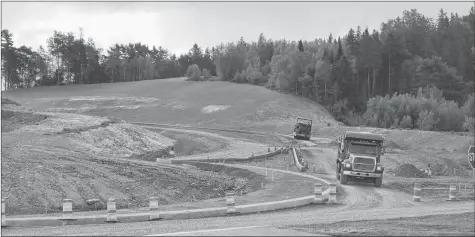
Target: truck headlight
347	165
379	168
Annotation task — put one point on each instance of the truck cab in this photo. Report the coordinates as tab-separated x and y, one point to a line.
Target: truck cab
303	129
359	158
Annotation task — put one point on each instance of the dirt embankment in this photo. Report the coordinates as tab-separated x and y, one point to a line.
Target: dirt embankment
47	157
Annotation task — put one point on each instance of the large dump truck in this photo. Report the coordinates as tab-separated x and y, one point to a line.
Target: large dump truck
303	129
359	158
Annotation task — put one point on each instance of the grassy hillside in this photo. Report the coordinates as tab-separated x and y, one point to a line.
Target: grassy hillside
217	104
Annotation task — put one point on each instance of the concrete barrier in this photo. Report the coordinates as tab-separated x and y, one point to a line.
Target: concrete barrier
230	204
192	214
318	193
418	189
111	211
276	205
251	158
67	218
452	193
332	198
4	219
112	216
124	218
299	166
67	208
154	214
268	155
417	192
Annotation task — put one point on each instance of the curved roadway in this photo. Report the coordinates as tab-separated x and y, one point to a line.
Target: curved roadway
361	201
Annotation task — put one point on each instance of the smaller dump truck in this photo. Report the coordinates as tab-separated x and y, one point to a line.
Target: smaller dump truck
359	158
303	129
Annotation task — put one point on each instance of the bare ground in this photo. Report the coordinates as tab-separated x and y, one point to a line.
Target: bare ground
248	108
435	189
47	157
444	151
436	225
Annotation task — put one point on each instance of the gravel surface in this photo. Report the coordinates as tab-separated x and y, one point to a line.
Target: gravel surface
434	225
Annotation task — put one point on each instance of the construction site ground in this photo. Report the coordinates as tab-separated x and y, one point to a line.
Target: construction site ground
243	107
39	168
436	225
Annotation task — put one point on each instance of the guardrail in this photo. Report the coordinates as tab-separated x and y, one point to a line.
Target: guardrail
153	214
299	166
452	190
223	160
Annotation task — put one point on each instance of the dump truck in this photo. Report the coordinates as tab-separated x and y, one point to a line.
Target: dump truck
359	158
303	129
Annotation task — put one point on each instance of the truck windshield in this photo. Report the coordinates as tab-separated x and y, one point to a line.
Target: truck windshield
364	149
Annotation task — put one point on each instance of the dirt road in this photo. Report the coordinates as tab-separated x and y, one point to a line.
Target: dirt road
357	195
361	202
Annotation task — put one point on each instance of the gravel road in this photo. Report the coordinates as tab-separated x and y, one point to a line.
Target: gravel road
361	202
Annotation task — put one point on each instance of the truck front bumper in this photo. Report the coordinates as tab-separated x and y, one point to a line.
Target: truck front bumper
362	174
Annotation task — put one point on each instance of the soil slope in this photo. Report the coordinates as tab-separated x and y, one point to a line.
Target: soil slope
47	157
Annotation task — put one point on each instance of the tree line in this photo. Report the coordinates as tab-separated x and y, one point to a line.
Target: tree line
409	56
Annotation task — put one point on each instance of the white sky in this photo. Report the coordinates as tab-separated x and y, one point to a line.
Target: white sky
177	26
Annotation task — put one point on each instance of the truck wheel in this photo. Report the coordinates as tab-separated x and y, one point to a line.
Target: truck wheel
378	182
343	178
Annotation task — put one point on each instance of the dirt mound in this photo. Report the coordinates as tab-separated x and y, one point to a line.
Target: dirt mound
409	171
12	120
6	101
49	156
392	145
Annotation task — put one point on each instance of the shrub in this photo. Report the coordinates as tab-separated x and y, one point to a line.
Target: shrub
450	117
469	124
428	110
353	119
426	120
189	71
239	78
469	106
206	74
406	122
255	77
195	74
338	110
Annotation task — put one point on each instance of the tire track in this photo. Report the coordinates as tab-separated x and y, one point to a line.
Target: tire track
356	195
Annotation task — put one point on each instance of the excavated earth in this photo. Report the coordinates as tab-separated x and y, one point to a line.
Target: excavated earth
47	157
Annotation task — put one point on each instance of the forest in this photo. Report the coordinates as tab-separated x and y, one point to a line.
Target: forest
415	72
